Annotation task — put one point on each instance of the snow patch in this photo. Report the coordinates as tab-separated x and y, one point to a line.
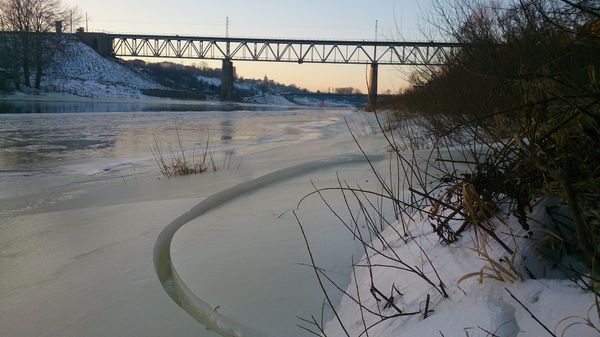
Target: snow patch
471	306
306	101
268	99
209	80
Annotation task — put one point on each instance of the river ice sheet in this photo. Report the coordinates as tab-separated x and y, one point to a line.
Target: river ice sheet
76	247
258	260
59	148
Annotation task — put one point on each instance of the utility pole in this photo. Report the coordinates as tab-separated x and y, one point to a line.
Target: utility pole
87	28
227	27
376	29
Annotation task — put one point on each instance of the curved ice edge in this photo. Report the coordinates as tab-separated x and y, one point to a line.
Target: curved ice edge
172	283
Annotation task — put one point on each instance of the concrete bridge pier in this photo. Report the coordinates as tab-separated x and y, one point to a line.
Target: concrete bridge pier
373	86
227	80
100	42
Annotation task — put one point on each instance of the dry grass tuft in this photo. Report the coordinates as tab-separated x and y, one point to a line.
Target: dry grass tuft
500	270
174	162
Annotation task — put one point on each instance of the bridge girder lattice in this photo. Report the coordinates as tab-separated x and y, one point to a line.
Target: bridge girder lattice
285	50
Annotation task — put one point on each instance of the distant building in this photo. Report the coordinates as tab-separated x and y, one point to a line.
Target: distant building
347	91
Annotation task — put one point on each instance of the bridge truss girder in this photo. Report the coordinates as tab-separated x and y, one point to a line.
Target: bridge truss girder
279	50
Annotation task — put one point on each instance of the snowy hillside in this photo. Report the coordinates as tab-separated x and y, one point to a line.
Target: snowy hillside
209	80
273	95
81	71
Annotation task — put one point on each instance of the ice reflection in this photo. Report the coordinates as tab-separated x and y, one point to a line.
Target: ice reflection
19	107
30	142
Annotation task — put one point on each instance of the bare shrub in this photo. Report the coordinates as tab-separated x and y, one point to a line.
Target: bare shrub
513	118
174	162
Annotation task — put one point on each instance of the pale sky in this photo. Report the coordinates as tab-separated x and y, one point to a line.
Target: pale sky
319	19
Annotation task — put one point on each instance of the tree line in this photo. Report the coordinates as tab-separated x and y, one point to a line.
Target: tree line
526	84
27	42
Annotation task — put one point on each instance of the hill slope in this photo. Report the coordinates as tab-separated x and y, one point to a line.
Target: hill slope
80	71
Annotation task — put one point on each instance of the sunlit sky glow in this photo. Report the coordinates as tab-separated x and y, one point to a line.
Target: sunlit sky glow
319	19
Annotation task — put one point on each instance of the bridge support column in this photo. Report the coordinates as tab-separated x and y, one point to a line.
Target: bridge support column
373	86
100	42
227	80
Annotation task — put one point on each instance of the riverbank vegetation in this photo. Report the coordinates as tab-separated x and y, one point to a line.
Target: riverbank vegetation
26	46
174	160
511	132
526	87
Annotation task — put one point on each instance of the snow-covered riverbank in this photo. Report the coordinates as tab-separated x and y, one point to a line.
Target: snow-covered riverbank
473	308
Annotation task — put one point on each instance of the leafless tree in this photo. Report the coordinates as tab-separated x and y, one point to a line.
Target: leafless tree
15	18
33	21
10	54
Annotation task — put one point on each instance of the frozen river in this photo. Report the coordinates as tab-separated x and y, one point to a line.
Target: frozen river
78	139
82	209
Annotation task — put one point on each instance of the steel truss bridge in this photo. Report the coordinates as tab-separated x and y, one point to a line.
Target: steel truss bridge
284	50
229	49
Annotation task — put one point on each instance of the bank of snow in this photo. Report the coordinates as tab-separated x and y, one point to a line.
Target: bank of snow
472	308
275	97
268	99
81	71
214	81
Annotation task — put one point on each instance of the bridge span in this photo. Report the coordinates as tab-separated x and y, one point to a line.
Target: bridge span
229	49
